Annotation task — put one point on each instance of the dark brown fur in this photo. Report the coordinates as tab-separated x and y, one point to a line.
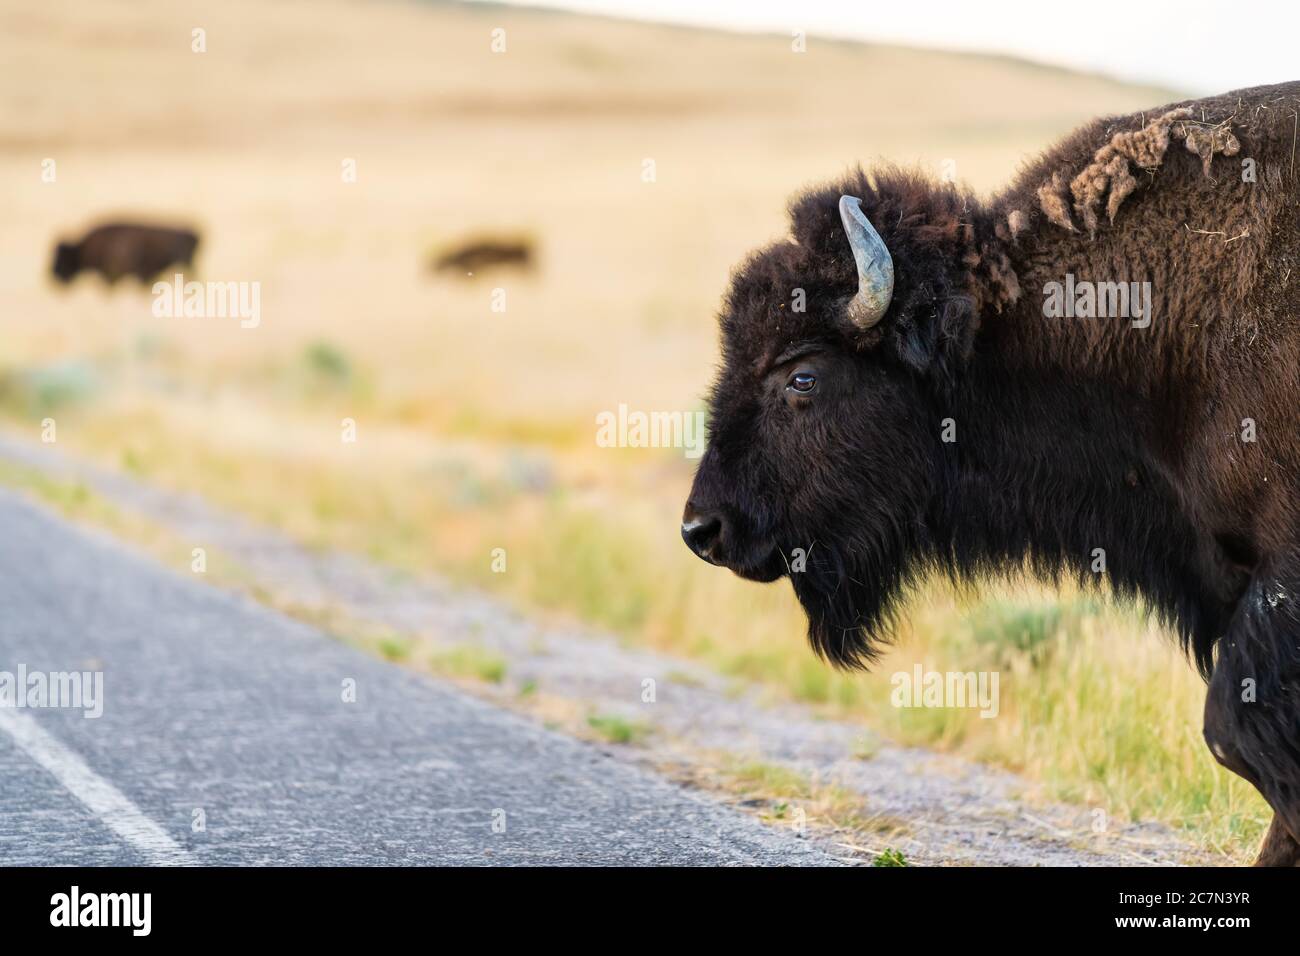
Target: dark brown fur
120	249
1072	434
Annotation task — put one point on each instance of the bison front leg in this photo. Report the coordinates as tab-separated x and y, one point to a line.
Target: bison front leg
1279	847
1252	709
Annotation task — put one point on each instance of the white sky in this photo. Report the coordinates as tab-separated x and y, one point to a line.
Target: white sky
1198	46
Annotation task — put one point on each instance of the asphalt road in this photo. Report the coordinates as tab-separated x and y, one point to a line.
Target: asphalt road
226	739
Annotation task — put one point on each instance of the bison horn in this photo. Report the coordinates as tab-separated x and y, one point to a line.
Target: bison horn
875	266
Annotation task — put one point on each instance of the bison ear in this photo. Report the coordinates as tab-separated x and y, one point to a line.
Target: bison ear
916	340
930	335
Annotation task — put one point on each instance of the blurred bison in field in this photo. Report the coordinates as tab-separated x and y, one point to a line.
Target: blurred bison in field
119	249
477	255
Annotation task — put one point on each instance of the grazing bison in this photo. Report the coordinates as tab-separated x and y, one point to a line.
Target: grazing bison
1095	373
483	254
118	249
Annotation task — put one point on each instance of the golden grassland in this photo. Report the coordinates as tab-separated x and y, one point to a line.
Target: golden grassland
476	428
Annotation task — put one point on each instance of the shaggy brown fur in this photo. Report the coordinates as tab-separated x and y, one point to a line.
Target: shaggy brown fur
1111	169
1072	433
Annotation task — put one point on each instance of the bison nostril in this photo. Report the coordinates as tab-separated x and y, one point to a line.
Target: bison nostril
701	531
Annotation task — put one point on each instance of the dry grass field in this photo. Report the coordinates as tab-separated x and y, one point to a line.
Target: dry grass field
475	427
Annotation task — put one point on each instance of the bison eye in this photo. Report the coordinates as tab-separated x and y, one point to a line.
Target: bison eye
802	382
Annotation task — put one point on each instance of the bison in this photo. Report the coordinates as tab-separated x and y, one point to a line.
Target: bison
901	393
118	249
481	254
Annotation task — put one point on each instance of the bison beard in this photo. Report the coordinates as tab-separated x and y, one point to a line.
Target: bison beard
849	588
1169	448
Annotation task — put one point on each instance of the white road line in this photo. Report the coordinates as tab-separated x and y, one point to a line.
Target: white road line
103	799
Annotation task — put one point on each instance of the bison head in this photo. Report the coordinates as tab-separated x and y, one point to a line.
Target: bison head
825	454
66	262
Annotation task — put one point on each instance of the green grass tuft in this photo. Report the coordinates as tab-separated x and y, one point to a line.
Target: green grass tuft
469	660
617	730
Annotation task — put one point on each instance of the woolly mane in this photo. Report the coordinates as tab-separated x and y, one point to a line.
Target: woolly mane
1110	175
